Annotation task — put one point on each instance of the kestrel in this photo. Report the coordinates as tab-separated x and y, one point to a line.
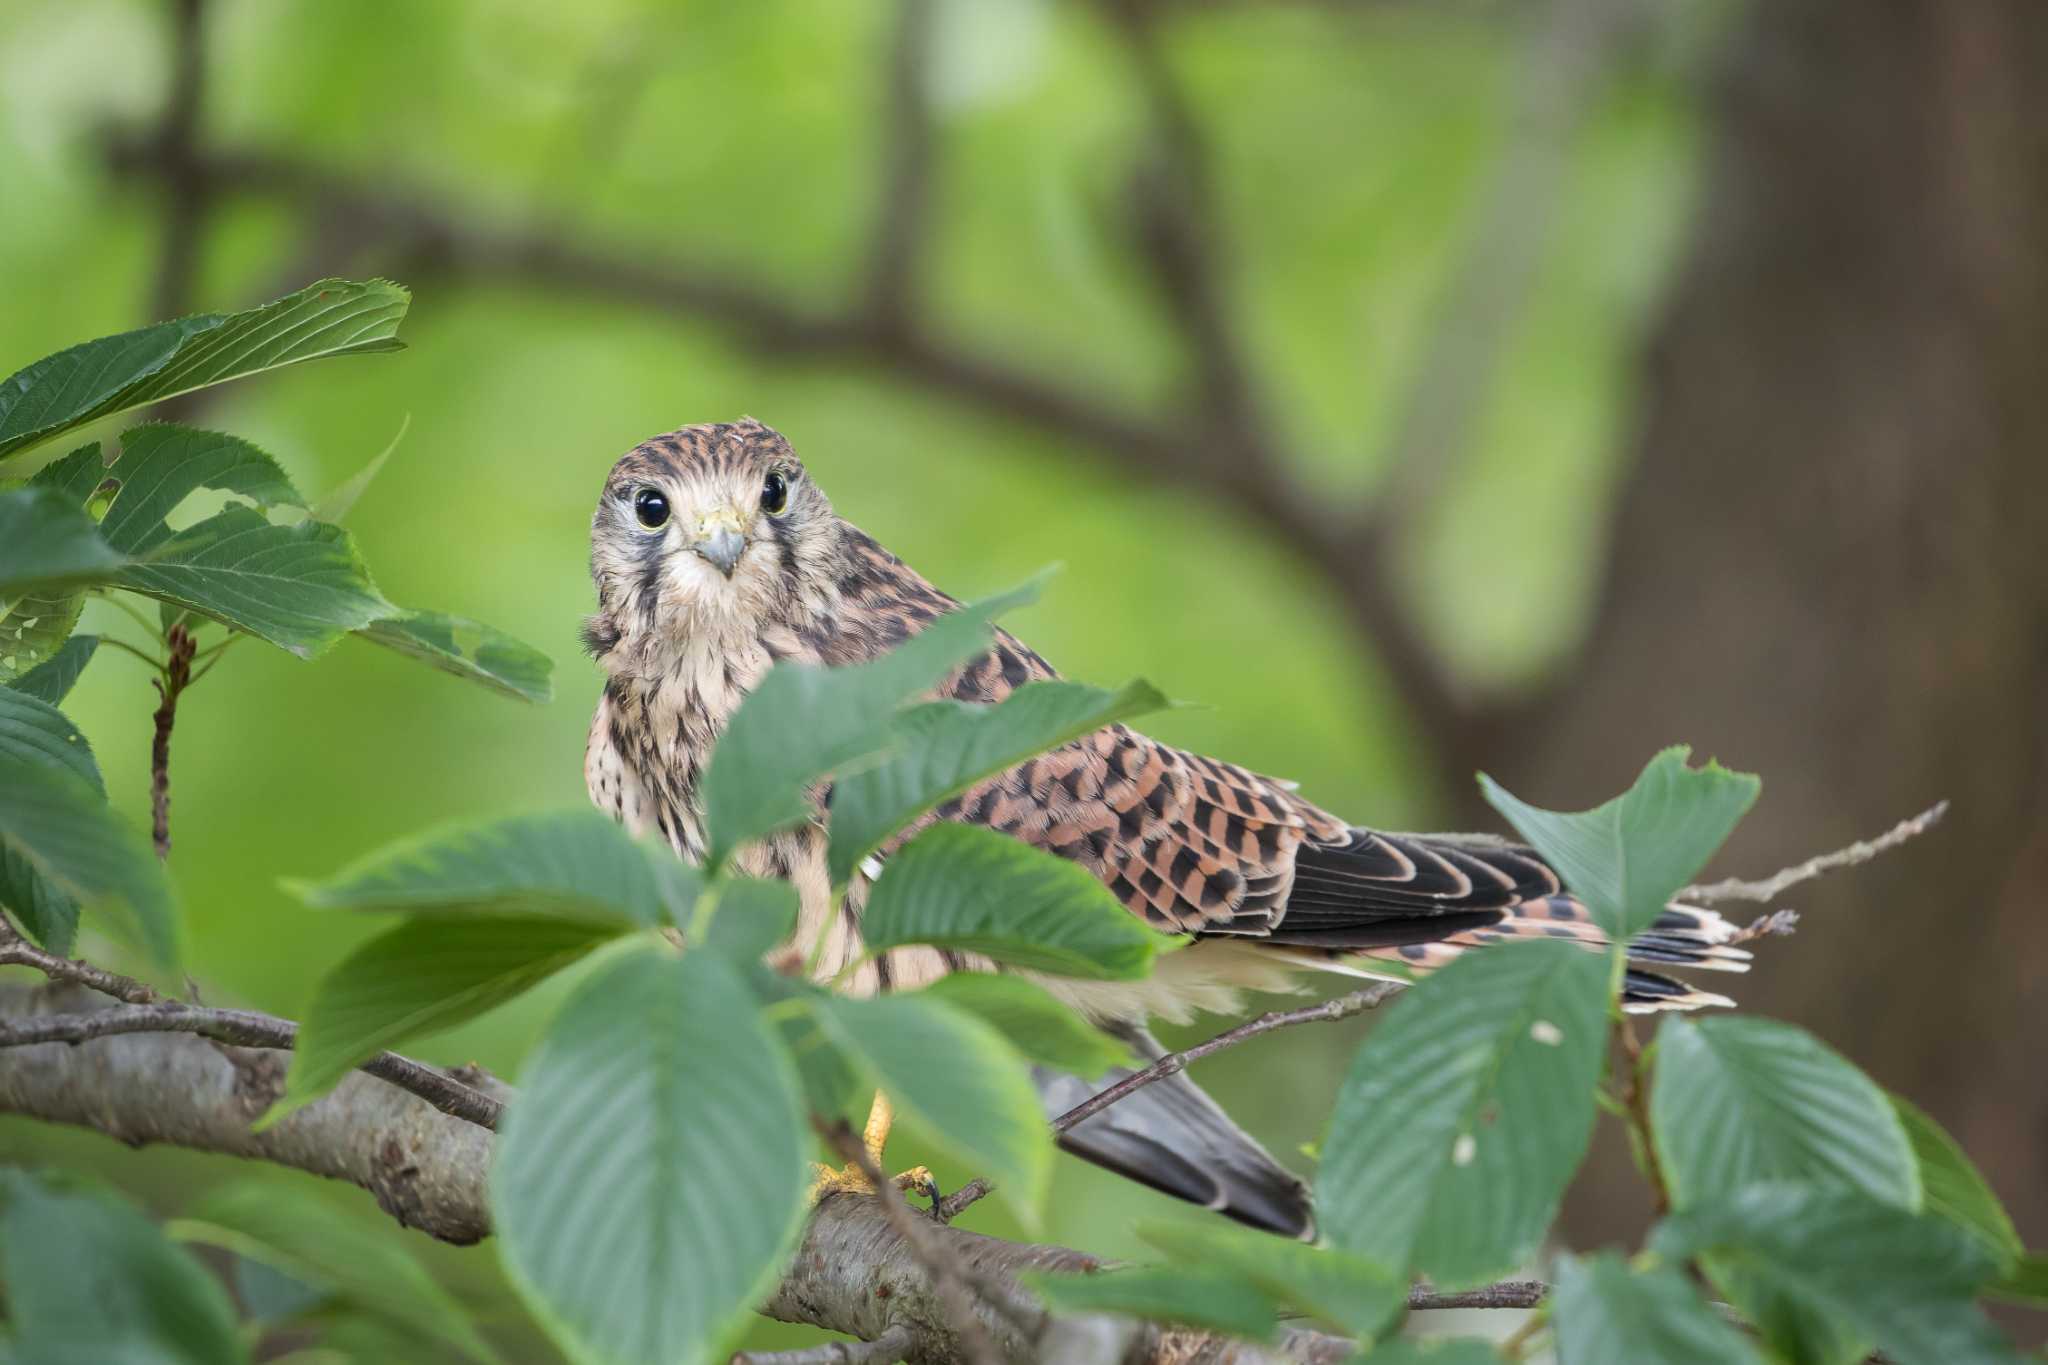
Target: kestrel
715	556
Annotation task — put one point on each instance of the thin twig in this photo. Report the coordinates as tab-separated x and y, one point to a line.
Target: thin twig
1342	1007
976	1344
177	676
16	951
1504	1294
1770	888
886	1349
960	1200
1635	1102
145	1011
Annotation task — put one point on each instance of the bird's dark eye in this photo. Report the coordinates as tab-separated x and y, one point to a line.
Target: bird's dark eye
651	506
774	494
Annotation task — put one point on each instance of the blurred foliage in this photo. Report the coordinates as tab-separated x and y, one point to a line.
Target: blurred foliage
1347	150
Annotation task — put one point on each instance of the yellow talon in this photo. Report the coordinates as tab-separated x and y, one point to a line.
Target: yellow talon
874	1137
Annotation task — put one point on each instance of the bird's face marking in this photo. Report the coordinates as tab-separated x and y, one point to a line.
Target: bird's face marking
705	533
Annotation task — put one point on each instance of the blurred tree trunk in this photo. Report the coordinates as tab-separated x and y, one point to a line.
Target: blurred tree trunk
1831	562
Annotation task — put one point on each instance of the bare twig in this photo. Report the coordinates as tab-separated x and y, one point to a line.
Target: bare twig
177	676
1770	888
886	1349
1504	1294
1635	1104
16	951
1341	1007
962	1199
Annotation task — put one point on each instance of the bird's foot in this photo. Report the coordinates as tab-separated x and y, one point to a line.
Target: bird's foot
850	1178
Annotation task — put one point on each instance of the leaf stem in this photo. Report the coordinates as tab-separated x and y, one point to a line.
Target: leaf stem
214	651
1635	1101
133	613
156	665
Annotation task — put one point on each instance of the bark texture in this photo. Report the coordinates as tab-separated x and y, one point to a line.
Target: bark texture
1831	560
852	1272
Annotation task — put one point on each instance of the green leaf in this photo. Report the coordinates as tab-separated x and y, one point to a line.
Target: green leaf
1191	1298
1627	858
1344	1290
1044	1030
1951	1186
1604	1314
651	1174
34	627
48	543
958	1081
833	1086
162	464
575	865
98	378
61	827
468	649
1466	1112
300	587
944	747
35	732
337	502
976	889
37	623
421	978
268	1296
89	1279
2026	1282
358	1264
1741	1100
53	678
803	722
752	916
1906	1281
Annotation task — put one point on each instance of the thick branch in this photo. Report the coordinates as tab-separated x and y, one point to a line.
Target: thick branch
853	1272
425	1167
148	1012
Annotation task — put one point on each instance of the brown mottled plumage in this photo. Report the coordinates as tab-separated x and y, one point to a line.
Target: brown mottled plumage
747	564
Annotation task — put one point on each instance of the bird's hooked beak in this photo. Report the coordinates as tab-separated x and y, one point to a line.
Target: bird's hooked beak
721	538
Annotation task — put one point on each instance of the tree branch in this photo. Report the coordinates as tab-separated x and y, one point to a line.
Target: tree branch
893	1345
148	1012
1771	887
853	1273
177	676
175	142
1342	1007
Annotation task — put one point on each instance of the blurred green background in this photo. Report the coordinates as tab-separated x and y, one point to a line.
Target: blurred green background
1493	204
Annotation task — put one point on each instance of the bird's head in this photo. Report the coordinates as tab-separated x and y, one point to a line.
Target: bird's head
708	532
